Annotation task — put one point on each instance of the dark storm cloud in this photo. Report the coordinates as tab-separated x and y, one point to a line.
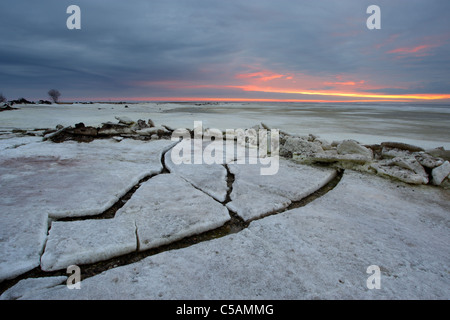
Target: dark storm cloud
123	43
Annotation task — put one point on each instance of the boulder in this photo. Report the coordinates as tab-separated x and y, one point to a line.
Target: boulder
85	131
391	153
428	160
299	146
141	124
353	147
401	170
326	145
411	164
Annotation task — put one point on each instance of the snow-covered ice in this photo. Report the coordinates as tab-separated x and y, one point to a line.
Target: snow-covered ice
22	239
210	178
42	180
166	208
76	179
424	126
256	195
320	251
87	241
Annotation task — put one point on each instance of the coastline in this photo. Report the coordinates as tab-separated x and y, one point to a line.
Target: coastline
74	202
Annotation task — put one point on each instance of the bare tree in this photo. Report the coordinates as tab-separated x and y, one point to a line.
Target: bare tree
54	94
2	98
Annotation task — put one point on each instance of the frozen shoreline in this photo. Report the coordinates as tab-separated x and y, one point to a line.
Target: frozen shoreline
426	127
307	232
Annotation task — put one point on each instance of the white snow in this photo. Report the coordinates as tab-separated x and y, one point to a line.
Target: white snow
255	195
440	173
22	238
423	126
29	287
76	179
87	241
166	208
320	251
39	180
210	178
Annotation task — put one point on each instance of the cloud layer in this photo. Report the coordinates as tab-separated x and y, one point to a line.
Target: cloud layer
256	49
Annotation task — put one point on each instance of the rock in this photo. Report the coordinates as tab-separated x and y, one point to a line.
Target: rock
411	164
151	131
141	124
264	126
390	153
299	146
44	102
168	127
440	153
353	147
440	173
324	144
124	120
446	183
150	123
400	169
57	135
428	161
330	156
85	131
117	138
21	101
335	143
402	146
111	129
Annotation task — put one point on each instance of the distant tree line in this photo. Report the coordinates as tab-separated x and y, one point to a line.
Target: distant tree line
53	94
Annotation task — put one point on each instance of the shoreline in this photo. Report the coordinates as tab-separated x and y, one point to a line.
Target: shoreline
369	125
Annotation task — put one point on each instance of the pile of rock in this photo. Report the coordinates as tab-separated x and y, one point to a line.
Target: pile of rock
6	107
20	101
404	162
400	161
125	128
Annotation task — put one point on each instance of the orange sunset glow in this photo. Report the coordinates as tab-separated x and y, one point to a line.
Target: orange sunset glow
339	88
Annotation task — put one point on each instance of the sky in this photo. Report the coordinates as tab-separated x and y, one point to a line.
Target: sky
209	50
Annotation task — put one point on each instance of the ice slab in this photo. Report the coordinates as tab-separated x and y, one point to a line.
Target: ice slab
320	251
87	241
42	179
211	177
166	208
29	287
255	195
22	239
76	179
